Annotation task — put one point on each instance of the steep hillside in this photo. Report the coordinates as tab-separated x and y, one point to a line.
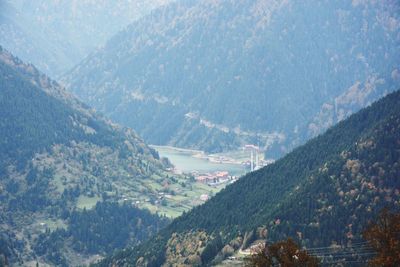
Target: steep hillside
322	194
58	159
216	75
56	35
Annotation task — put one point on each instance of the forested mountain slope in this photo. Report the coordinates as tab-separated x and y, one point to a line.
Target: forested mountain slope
216	75
56	35
57	158
323	193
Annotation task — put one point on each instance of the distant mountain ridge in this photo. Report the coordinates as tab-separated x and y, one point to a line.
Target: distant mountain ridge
216	75
56	35
322	194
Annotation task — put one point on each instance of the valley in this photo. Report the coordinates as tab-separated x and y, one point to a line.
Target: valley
322	195
187	133
67	161
217	75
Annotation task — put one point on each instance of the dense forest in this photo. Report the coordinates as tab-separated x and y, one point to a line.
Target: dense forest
57	158
215	75
106	227
322	193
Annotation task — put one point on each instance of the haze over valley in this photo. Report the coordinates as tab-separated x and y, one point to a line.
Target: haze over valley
199	133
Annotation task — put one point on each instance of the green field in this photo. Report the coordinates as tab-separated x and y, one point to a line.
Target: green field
87	202
173	199
187	196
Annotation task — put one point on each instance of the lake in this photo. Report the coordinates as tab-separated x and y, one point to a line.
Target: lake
184	160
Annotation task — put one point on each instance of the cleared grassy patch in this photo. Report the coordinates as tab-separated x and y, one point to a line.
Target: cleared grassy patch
87	202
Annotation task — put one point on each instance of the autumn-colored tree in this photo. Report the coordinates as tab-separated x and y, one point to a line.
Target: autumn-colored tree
284	253
384	236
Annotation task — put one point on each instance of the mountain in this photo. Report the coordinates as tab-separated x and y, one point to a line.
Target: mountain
56	35
215	75
65	172
322	194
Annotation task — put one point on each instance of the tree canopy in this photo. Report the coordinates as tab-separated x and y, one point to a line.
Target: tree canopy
384	237
284	253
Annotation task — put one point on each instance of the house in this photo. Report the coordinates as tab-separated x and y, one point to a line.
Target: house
204	197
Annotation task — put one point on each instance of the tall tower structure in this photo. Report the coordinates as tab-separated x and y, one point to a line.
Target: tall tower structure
254	165
251	161
257	165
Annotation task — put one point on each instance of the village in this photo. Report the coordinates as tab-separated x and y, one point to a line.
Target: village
203	175
217	178
214	178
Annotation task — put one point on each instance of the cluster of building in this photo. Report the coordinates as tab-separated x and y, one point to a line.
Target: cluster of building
215	178
221	177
